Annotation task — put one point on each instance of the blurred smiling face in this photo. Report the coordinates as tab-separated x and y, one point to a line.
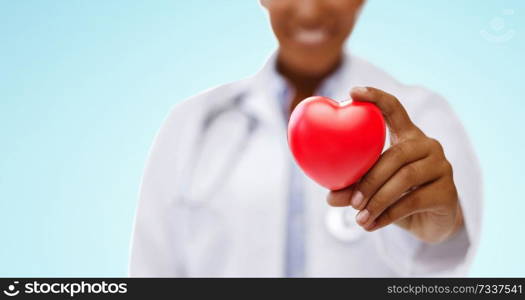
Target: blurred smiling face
311	33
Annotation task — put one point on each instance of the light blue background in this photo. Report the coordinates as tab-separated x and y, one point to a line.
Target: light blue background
84	86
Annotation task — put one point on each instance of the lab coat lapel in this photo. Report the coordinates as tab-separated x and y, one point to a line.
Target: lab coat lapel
267	187
266	106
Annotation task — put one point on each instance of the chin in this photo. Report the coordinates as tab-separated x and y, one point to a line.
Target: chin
318	64
311	60
314	70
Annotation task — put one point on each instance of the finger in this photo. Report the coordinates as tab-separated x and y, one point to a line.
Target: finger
393	111
408	177
340	198
418	201
390	161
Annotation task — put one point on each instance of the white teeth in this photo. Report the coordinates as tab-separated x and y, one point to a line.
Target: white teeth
311	36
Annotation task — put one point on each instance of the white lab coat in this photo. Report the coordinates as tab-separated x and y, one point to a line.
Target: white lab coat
238	228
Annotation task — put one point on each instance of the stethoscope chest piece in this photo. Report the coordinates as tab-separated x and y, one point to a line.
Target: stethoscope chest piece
340	223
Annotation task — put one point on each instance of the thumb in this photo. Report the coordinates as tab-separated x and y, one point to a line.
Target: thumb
393	111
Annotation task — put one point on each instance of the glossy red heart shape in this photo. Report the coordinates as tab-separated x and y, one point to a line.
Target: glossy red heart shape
334	143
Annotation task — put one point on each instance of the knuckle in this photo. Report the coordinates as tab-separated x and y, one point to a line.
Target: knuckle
435	145
374	206
392	105
367	183
409	173
387	101
447	167
413	202
398	151
414	131
388	106
387	217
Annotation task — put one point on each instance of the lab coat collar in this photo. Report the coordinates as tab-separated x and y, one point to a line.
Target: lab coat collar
268	87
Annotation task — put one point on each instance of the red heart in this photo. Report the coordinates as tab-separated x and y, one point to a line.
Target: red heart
336	144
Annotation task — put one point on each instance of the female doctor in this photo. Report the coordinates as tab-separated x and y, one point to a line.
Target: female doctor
222	196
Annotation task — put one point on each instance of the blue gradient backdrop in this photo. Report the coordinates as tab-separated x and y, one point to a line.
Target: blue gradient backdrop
84	86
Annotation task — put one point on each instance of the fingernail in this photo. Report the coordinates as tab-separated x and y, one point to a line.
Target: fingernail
360	89
362	216
357	199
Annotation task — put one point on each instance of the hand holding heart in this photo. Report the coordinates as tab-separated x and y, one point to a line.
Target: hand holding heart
410	184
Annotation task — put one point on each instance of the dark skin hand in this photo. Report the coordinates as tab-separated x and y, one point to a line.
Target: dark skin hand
411	185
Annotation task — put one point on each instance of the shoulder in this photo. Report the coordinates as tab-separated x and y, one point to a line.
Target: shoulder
184	119
179	132
415	98
193	108
427	109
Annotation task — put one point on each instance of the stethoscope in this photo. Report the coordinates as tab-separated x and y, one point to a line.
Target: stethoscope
196	196
339	222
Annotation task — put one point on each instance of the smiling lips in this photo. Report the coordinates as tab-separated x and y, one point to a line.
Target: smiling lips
311	37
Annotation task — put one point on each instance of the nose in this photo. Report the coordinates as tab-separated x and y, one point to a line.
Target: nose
309	12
